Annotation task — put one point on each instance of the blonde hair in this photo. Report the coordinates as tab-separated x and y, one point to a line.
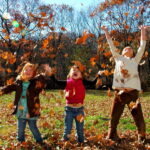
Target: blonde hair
33	66
74	66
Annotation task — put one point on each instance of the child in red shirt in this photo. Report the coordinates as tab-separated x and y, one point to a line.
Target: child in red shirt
75	94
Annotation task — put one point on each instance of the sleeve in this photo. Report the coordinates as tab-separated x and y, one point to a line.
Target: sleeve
90	83
69	90
113	49
8	89
140	51
60	83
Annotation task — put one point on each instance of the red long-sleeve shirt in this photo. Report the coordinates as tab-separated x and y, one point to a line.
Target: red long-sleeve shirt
76	91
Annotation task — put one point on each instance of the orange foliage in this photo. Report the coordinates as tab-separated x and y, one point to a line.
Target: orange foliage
80	65
82	40
10	81
80	118
63	29
43	14
93	60
107	54
126	27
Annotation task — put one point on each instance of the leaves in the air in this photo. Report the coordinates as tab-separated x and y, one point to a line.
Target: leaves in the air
85	36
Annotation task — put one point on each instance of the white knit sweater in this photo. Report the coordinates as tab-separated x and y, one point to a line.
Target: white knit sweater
126	69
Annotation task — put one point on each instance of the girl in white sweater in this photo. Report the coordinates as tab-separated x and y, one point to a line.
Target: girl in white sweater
126	83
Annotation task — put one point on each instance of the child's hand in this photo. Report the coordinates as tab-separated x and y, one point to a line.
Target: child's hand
67	94
142	27
104	28
48	70
100	73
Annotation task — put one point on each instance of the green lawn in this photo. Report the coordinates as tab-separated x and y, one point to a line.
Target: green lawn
97	110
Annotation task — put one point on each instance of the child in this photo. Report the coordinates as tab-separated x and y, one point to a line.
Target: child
75	94
126	82
27	104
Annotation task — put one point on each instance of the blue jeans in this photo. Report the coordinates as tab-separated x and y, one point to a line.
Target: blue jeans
70	115
33	127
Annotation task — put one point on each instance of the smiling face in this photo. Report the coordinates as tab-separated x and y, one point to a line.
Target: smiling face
75	73
128	52
28	72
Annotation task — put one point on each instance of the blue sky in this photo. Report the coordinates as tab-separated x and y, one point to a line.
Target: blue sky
77	4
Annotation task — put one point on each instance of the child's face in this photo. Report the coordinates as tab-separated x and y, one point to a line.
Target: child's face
128	52
28	73
75	73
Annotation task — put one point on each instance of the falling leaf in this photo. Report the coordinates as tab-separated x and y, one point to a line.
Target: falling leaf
109	93
80	118
21	107
98	83
103	65
126	27
10	81
10	105
126	13
63	29
43	14
39	84
107	54
82	68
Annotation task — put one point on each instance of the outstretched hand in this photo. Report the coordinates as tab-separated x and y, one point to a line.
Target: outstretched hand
104	28
144	27
48	70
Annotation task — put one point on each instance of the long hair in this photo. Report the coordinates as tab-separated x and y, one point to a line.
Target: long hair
33	66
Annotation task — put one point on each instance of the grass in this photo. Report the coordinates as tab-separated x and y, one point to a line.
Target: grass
51	124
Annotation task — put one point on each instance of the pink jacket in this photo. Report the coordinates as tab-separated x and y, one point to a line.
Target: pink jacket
76	91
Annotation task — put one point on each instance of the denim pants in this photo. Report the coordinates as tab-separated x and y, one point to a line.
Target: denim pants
70	115
33	127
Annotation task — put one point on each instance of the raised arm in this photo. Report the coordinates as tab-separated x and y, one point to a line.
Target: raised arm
110	42
142	44
60	83
8	89
92	83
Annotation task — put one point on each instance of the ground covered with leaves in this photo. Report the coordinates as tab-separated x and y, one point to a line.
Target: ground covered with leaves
51	124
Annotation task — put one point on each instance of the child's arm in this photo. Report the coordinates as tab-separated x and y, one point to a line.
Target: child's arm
61	83
110	42
142	45
92	82
50	77
8	89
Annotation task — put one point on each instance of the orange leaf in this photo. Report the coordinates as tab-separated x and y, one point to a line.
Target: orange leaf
4	30
9	70
109	93
126	27
106	73
80	118
103	65
63	29
10	105
21	107
10	81
98	83
116	43
43	14
6	37
39	84
52	28
45	43
107	54
66	55
126	13
80	65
